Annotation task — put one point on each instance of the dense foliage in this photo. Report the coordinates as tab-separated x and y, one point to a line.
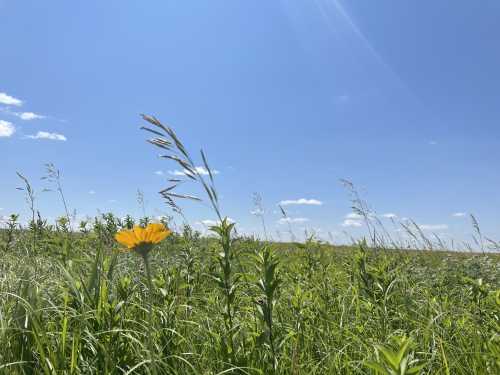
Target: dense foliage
71	303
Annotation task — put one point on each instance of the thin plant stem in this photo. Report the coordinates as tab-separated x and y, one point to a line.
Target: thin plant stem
145	258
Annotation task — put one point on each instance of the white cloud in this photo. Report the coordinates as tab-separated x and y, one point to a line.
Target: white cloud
389	216
112	201
91	192
293	220
211	223
433	143
433	226
29	116
177	173
352	223
352	220
159	173
354	216
47	135
201	170
6	128
301	201
9	100
459	214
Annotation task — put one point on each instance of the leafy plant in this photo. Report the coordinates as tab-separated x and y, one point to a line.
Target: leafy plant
268	284
396	362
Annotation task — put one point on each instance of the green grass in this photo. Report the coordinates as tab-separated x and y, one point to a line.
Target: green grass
74	305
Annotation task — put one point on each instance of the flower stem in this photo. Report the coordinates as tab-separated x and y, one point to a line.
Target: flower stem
145	257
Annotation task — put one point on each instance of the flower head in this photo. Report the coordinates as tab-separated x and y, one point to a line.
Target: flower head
141	239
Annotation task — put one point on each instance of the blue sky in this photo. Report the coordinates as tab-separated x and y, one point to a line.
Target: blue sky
285	97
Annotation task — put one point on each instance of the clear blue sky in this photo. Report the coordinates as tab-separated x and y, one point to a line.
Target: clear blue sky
286	97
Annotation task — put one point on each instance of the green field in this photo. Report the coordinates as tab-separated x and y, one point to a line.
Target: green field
71	303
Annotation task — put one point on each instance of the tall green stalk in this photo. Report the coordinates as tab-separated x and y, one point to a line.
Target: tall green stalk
268	284
227	281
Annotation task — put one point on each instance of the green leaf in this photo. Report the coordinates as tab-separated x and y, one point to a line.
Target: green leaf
415	370
375	366
389	356
403	349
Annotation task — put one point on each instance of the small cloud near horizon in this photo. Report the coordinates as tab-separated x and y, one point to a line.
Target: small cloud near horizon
353	216
201	170
352	223
211	223
459	214
27	116
49	136
352	219
301	201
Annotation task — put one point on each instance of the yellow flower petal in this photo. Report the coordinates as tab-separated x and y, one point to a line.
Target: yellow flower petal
160	236
149	232
155	227
135	238
157	233
139	233
126	238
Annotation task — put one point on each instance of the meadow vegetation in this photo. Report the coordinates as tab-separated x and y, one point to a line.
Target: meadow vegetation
73	302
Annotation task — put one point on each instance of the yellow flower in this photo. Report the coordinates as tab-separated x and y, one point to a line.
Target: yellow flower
142	239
